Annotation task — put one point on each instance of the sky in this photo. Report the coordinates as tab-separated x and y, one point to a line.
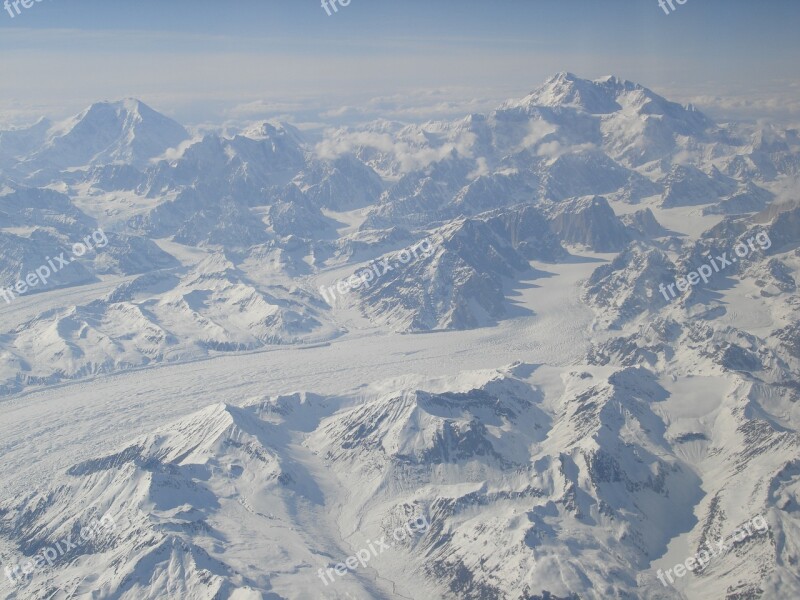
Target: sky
210	62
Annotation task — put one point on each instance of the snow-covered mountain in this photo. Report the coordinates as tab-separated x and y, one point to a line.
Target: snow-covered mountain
458	283
128	132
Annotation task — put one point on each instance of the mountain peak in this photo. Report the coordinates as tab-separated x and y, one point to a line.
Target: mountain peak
126	130
608	95
562	76
132	104
121	109
567	90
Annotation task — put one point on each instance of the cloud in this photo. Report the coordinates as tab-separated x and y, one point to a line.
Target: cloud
537	130
748	107
175	153
410	148
481	169
419	105
336	143
344	111
776	100
554	149
259	108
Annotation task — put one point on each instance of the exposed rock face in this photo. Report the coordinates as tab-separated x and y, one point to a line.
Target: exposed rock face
590	222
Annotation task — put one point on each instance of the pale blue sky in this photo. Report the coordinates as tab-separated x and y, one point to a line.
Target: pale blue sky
202	60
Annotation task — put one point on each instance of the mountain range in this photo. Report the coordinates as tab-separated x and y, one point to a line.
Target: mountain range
611	430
